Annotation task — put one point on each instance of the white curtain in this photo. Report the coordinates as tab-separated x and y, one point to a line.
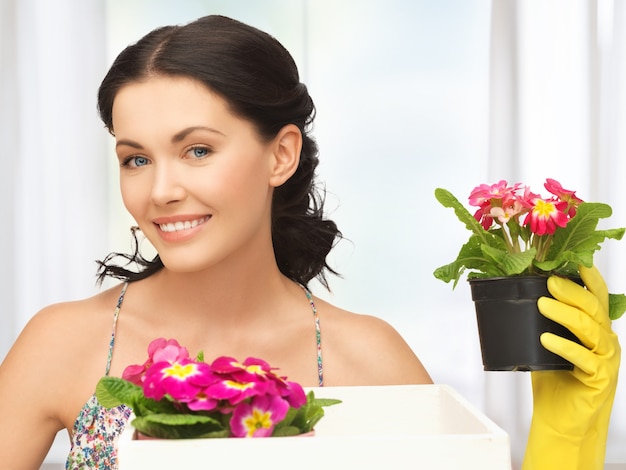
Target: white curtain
558	109
54	175
53	183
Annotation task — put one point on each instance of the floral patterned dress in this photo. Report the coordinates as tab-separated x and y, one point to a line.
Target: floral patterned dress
95	435
97	429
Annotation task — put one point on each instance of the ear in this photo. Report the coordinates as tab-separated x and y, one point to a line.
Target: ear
286	149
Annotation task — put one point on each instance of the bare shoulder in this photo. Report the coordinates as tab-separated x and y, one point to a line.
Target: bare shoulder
48	371
365	350
58	329
63	335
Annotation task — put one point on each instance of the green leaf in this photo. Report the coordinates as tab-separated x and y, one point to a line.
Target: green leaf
114	391
145	406
510	263
284	431
180	419
470	257
447	199
175	427
567	263
325	401
309	414
313	417
580	236
288	419
617	305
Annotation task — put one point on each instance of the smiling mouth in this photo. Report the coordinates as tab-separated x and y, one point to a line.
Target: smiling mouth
183	225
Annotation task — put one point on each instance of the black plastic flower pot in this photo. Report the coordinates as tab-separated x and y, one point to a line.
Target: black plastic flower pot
510	324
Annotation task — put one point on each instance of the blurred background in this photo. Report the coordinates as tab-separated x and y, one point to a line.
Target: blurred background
411	95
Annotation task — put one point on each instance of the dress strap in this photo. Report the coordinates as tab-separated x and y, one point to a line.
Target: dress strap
318	338
116	314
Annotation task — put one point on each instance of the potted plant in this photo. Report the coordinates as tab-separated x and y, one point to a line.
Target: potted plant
176	397
517	240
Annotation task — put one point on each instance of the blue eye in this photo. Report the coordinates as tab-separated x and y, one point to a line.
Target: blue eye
199	152
136	161
139	161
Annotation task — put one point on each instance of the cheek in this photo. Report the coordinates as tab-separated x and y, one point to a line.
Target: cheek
246	183
132	190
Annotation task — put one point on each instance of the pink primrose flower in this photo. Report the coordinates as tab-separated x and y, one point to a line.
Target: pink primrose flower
257	367
241	380
511	207
294	394
134	373
159	350
181	380
235	391
499	196
528	198
258	417
258	370
202	402
484	193
226	365
162	350
564	195
501	214
546	215
483	216
555	188
251	369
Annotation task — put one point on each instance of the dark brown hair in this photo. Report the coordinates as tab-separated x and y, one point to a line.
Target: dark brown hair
259	80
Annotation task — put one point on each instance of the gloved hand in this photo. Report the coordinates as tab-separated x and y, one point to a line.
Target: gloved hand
571	409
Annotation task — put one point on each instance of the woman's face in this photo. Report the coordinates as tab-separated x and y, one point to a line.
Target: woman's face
194	176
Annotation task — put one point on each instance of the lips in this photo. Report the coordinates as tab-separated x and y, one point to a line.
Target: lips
180	225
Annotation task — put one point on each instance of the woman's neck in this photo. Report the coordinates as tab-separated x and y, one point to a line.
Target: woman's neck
214	295
219	315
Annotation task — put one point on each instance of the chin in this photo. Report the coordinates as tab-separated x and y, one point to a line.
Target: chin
188	262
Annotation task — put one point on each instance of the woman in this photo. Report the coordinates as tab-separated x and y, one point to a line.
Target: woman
217	168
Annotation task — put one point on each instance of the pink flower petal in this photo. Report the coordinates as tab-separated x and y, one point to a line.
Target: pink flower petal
134	374
259	417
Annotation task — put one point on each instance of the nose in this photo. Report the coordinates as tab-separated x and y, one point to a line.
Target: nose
167	186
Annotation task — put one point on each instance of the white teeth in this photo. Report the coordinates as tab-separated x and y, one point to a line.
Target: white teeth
186	225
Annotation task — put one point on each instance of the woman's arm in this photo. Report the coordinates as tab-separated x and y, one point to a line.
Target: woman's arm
29	387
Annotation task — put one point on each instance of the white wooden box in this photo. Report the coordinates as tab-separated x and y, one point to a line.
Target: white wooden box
388	427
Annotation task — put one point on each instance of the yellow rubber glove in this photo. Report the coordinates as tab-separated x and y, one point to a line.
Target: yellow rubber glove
571	409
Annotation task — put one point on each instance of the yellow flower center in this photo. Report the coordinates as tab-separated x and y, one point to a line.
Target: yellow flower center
255	369
256	421
238	385
179	371
544	209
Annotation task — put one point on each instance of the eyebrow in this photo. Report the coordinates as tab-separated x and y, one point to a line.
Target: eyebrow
185	132
179	136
